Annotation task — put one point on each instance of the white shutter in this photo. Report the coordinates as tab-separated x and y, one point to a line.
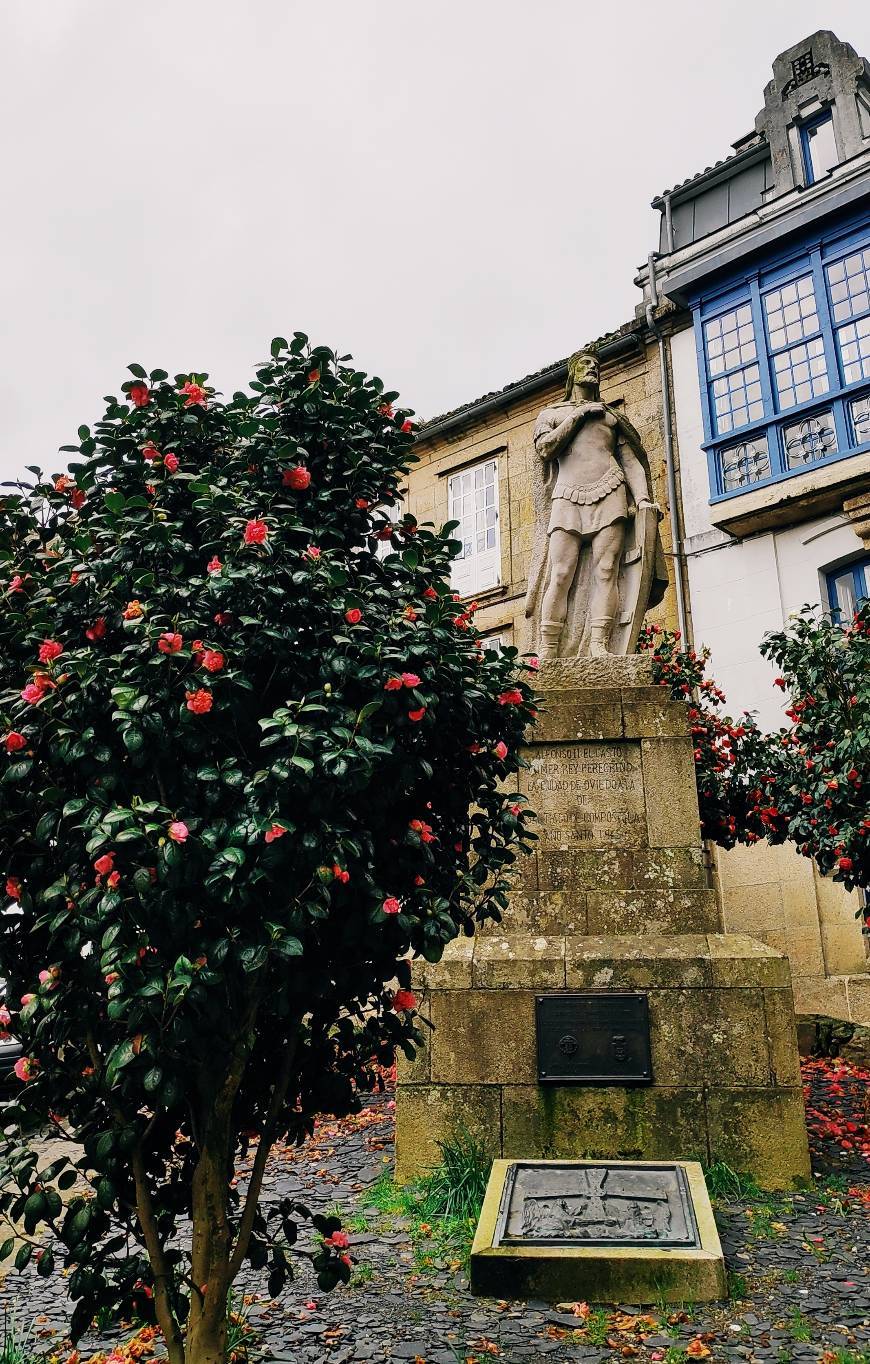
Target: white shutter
472	500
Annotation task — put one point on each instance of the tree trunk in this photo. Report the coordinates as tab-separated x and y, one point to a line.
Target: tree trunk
206	1336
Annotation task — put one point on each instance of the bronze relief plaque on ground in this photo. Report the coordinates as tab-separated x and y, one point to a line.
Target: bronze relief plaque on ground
595	1037
596	1204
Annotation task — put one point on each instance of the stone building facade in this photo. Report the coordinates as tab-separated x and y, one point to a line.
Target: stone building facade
756	310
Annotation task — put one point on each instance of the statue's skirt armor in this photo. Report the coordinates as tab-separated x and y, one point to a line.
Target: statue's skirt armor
586	510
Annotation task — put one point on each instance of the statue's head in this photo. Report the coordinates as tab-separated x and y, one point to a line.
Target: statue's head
582	369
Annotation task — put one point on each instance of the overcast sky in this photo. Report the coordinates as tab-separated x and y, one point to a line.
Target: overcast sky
457	191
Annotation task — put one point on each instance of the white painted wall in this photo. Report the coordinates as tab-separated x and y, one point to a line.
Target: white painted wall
741	589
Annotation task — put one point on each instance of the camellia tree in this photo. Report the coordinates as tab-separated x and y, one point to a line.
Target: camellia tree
255	759
808	782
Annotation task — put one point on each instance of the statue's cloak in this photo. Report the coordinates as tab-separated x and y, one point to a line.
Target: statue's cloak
575	634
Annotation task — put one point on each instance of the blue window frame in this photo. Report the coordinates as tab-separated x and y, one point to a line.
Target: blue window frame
819	147
847	587
784	358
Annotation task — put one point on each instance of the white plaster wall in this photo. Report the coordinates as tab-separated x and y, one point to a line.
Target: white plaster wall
740	589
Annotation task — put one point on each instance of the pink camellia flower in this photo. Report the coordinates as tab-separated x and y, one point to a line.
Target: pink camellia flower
97	630
339	1240
312	552
393	684
404	1001
33	693
298	478
256	532
169	642
170	462
501	750
150	452
353	616
49	650
5	1016
276	831
534	662
516	810
25	1068
13	887
386	410
105	864
512	697
391	905
140	395
194	394
200	701
212	660
214	565
416	715
27	999
44	977
178	831
16	584
410	680
14	741
74	577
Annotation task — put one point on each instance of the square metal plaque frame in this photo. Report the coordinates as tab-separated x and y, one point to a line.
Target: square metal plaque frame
560	1027
556	1171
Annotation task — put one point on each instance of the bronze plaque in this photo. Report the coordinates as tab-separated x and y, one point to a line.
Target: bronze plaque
596	1204
599	1037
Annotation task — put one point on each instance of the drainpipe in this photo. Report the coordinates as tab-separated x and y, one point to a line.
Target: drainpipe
676	538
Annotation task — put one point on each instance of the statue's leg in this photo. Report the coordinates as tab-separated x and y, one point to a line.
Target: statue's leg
563	551
604	598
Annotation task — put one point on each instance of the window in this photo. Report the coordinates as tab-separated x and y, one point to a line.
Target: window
472	500
847	588
785	365
394	511
493	642
819	147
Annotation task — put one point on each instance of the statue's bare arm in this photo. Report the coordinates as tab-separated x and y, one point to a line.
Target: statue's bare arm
551	435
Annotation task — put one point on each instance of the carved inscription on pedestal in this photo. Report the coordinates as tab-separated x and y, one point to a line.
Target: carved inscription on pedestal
588	795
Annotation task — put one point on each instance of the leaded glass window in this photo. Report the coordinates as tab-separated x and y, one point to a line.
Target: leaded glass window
730	340
859	411
809	440
748	462
854	343
800	373
737	398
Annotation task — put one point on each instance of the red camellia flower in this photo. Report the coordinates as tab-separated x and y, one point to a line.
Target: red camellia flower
49	650
77	498
362	503
386	410
178	831
416	715
353	616
409	613
407	425
14	741
340	874
140	396
313	376
410	680
501	750
512	697
105	864
214	564
222	617
133	610
256	532
61	483
170	462
339	1239
199	701
404	1001
845	863
150	452
430	594
212	660
194	394
391	905
276	831
13	887
169	643
297	478
393	684
16	584
97	630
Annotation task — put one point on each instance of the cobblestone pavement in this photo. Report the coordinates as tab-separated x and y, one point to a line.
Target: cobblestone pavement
799	1269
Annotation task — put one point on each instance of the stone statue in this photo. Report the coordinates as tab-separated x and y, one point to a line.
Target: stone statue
597	563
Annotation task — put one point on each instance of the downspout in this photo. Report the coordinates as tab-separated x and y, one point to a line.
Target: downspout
670	476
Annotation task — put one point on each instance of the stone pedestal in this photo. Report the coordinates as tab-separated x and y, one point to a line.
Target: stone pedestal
616	897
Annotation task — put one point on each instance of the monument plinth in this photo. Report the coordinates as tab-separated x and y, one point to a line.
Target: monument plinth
615	902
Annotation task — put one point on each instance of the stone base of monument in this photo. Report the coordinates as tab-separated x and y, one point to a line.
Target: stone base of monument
601	1232
609	1015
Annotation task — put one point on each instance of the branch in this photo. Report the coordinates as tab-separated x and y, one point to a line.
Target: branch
252	1197
156	1254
